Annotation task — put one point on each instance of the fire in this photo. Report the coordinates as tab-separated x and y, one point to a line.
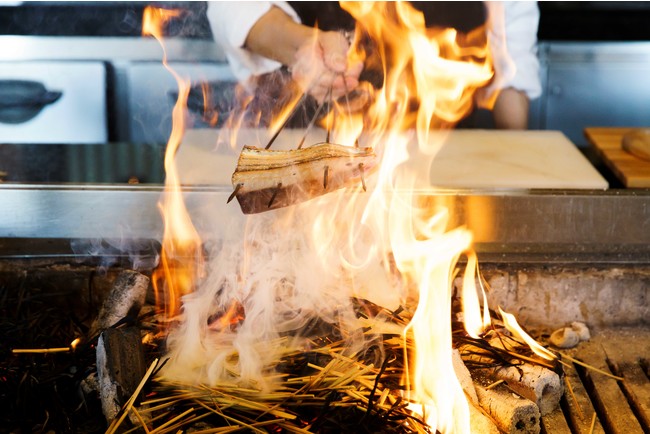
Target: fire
510	322
474	324
437	72
182	258
279	270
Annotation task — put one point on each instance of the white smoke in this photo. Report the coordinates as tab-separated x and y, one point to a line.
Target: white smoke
284	270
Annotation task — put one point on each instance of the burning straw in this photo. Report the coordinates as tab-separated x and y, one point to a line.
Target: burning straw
318	390
329	389
241	349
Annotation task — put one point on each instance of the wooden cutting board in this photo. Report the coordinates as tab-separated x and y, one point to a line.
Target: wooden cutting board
467	159
499	159
633	171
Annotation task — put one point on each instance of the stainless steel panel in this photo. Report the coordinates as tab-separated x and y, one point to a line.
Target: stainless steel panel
94	212
598	52
595	84
557	226
79	116
151	90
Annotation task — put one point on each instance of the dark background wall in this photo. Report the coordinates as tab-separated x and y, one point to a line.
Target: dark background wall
577	20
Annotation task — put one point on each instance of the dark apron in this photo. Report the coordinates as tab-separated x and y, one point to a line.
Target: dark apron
462	16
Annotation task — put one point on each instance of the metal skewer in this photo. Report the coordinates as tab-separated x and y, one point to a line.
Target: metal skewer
289	116
326	176
347	100
275	194
311	124
234	193
330	125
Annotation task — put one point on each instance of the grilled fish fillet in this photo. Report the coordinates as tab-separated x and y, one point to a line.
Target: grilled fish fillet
269	179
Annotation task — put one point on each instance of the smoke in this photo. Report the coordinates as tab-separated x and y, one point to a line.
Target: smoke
274	281
136	254
273	275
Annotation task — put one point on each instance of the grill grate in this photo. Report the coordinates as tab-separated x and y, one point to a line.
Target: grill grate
594	402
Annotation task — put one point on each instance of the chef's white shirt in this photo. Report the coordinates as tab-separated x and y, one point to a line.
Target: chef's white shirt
514	56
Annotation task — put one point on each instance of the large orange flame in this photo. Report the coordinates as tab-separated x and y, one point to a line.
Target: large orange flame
181	257
429	81
429	77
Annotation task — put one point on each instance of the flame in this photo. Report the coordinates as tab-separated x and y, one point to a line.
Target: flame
291	265
436	71
474	325
181	258
510	323
210	115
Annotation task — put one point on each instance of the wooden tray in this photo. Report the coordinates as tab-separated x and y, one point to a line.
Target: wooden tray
633	171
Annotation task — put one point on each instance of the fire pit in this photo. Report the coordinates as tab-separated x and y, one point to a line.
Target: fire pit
343	310
547	276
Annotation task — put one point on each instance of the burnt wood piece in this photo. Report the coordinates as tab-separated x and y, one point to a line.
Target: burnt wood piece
533	382
270	179
537	383
479	422
120	367
512	414
464	376
126	297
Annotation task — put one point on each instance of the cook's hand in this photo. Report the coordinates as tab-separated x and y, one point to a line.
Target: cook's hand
322	62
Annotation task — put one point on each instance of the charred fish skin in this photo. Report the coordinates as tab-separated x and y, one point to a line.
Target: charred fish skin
265	180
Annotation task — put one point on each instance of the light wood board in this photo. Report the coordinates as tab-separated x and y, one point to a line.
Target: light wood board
467	159
513	159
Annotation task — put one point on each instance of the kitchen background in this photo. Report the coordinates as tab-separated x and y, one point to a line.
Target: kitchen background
84	98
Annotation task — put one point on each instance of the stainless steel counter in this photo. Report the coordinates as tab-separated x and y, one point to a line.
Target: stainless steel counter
539	226
32	48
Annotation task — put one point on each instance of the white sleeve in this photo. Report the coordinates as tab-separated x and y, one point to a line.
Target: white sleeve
512	37
231	21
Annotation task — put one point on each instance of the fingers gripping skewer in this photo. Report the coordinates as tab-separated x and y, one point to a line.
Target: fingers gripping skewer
347	99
